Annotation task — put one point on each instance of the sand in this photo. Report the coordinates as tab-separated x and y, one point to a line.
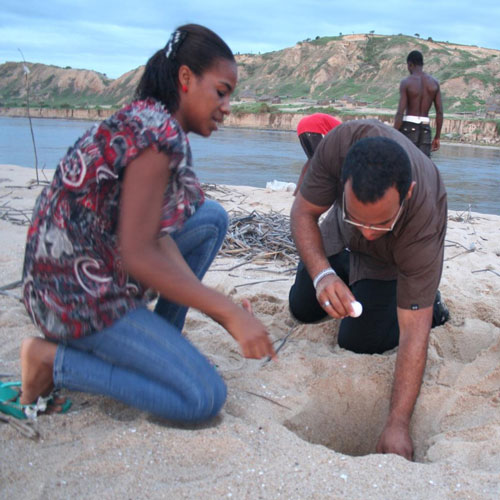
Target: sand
303	427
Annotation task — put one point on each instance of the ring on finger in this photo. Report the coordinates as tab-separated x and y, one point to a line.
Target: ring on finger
326	303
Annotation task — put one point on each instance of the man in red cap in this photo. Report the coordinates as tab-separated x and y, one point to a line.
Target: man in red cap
311	129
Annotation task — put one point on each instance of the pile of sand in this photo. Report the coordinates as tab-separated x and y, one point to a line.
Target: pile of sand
303	427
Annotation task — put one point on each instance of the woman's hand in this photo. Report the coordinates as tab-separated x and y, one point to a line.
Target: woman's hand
249	332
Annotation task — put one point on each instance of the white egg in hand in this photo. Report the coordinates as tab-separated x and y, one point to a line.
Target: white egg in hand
357	309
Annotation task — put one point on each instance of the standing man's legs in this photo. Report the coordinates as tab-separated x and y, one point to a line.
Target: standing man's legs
424	139
419	134
411	130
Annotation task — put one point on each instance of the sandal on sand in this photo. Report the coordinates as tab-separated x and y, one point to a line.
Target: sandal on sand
10	392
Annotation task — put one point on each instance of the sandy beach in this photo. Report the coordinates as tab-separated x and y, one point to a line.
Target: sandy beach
304	427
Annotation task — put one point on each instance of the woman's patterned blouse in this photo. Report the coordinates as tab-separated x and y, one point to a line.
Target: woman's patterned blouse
74	281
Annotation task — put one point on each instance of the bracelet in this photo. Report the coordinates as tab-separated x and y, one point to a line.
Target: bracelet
321	275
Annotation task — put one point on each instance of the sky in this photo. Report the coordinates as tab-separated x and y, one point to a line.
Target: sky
117	36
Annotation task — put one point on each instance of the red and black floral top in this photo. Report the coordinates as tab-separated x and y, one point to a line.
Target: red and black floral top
74	281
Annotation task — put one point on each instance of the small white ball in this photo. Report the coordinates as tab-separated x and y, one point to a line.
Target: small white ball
357	309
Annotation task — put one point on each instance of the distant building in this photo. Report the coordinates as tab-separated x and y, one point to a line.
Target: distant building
347	101
248	96
265	98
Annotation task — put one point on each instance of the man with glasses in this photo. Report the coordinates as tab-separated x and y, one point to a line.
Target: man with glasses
381	243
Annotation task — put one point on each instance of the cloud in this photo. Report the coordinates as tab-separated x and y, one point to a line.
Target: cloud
114	37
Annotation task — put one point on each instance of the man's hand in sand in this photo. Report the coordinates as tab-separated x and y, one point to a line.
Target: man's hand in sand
396	439
250	333
334	296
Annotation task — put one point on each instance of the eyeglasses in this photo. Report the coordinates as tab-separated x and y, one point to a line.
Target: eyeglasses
373	228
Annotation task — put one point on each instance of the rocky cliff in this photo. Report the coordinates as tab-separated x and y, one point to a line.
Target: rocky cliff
361	67
469	131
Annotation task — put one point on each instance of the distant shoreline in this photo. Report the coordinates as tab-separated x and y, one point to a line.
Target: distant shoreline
482	133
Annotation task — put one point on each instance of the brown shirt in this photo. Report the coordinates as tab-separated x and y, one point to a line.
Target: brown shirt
413	252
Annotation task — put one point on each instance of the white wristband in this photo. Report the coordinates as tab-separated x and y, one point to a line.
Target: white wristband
321	275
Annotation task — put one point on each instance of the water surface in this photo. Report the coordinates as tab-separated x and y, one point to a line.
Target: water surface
255	157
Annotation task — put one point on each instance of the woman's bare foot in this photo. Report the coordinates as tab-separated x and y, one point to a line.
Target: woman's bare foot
37	362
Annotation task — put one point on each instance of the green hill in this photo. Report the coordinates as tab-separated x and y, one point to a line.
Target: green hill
365	68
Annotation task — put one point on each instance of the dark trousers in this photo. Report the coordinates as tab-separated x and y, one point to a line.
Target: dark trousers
419	134
375	331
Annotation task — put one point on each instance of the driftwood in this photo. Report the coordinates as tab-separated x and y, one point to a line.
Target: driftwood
19	217
256	235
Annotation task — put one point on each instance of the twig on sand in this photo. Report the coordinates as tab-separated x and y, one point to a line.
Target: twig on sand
470	248
460	217
267	270
268	399
282	343
458	254
12	285
261	281
24	428
487	269
228	268
15	215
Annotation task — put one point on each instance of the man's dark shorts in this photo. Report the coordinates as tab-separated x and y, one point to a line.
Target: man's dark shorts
420	134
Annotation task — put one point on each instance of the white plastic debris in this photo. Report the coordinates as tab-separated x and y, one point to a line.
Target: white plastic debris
31	411
281	186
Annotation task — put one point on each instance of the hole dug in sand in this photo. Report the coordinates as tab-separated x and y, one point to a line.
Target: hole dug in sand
347	406
345	411
456	418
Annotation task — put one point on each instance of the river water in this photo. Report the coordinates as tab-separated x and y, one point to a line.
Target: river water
255	157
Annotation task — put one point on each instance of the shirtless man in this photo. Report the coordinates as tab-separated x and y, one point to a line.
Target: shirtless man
417	93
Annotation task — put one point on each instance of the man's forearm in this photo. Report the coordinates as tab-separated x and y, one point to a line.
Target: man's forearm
398	120
439	125
410	363
308	240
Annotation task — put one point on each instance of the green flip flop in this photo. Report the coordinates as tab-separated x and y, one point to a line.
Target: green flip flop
10	393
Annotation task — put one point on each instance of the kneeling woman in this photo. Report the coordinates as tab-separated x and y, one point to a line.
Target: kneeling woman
125	213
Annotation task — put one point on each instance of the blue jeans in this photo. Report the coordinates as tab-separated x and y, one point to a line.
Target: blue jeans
142	359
